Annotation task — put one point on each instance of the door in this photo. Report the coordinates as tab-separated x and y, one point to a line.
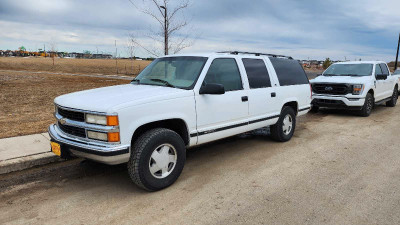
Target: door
380	85
388	82
263	103
224	115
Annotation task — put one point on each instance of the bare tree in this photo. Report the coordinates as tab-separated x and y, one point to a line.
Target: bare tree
170	20
53	49
131	50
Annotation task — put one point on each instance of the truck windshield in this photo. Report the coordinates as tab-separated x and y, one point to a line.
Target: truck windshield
178	72
349	70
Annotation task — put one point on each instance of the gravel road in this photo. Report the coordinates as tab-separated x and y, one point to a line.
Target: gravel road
338	169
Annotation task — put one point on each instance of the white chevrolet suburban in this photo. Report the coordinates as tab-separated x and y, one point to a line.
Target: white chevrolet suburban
355	85
177	102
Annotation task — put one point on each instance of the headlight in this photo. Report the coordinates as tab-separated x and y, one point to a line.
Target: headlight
110	137
102	120
96	119
358	89
97	135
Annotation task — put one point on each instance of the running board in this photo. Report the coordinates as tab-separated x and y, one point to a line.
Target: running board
383	100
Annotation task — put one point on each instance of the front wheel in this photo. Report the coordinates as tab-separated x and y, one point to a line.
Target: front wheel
393	100
283	130
368	105
157	159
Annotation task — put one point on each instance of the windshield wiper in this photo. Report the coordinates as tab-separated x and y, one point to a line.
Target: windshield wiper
168	84
330	74
136	80
352	75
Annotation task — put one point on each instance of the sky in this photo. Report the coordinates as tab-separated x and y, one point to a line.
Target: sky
308	29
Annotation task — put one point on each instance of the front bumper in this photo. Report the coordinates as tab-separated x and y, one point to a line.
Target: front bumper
338	102
102	152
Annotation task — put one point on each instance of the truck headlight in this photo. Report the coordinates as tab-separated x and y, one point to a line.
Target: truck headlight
110	137
102	120
358	89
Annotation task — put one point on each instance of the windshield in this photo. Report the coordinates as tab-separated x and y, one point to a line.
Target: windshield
178	72
349	70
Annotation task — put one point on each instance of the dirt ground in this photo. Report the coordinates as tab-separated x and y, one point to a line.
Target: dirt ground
337	169
69	65
26	99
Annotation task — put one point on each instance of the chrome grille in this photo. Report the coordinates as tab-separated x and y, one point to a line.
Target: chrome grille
72	115
76	131
331	89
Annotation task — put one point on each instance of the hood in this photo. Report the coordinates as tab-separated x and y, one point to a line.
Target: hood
341	79
107	99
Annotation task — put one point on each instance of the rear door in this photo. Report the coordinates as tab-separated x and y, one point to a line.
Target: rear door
220	116
263	103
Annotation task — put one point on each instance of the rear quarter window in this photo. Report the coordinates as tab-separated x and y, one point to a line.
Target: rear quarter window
289	71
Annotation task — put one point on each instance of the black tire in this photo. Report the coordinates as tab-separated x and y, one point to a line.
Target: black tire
277	131
142	150
393	100
368	106
314	109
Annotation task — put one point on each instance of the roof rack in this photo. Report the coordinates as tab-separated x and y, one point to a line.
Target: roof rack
255	53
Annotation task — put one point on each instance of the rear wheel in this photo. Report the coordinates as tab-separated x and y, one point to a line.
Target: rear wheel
393	100
157	159
283	130
368	105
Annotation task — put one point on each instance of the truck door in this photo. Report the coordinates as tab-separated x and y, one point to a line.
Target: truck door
380	85
389	82
263	101
226	114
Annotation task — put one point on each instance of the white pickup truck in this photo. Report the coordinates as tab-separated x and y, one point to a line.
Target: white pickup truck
357	85
177	102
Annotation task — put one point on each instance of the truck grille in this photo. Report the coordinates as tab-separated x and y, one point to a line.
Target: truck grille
72	115
76	131
331	89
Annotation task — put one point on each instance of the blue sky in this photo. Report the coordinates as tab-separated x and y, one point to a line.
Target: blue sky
337	29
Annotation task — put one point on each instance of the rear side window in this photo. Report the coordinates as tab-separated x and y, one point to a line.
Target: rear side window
257	73
224	71
289	71
384	69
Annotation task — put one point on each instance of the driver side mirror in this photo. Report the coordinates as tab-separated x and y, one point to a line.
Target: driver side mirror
381	76
212	89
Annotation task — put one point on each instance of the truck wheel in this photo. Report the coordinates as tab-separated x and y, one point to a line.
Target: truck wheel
367	107
393	100
157	159
283	129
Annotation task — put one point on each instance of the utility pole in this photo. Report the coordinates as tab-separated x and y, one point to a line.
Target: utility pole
165	30
116	57
397	54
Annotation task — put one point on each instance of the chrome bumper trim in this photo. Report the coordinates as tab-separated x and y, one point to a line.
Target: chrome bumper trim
89	147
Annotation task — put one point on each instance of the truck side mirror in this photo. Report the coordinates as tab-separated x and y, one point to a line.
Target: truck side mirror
212	89
381	76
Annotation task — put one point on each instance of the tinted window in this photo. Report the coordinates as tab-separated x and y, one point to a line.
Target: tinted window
384	69
378	69
257	73
225	72
289	71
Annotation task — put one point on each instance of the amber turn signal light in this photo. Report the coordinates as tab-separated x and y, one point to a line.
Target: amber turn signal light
113	137
112	120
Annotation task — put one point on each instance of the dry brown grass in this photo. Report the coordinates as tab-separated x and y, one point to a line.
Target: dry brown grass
80	66
26	99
